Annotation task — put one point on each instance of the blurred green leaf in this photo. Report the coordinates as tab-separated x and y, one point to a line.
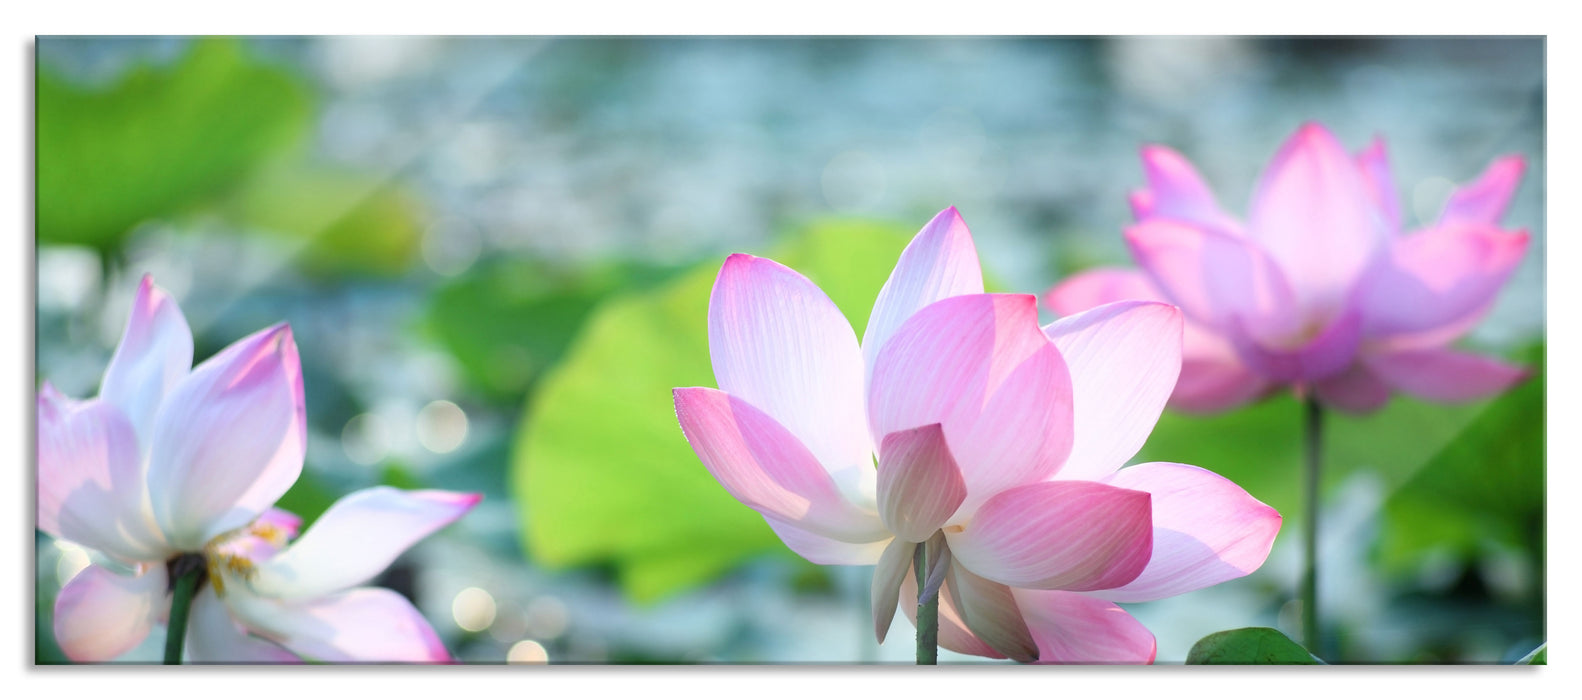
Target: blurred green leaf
1536	657
308	498
397	475
600	469
338	221
1486	486
506	321
158	140
1249	646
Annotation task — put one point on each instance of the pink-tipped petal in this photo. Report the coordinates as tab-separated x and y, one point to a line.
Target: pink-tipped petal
825	551
885	591
356	539
1097	287
1124	359
155	352
1206	530
940	262
214	637
1330	351
953	632
780	344
1445	375
362	625
768	469
1068	535
1356	390
1176	191
1214	277
1374	164
989	610
100	615
1437	278
1023	434
1073	628
90	482
1143	205
920	486
1313	212
228	440
1484	201
979	366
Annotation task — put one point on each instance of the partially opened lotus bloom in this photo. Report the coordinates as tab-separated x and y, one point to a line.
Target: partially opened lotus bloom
1318	287
177	465
959	423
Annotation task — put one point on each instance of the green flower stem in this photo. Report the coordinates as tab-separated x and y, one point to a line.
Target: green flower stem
186	572
1314	440
927	614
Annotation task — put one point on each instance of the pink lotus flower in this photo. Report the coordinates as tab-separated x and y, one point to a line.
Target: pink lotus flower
1318	288
167	462
959	422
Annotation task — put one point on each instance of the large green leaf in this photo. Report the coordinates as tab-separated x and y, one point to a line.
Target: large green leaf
1249	646
158	140
600	468
506	321
1485	487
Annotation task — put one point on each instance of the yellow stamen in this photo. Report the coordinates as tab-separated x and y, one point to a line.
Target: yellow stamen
269	533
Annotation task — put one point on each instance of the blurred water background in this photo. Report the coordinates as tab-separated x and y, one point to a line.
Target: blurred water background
439	218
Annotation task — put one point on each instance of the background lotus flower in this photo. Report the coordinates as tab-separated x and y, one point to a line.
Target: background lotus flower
957	423
1318	288
167	463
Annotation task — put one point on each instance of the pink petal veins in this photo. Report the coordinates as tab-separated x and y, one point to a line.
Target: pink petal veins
1068	535
940	262
825	550
1124	359
920	486
1206	530
979	366
990	611
780	344
953	632
1074	628
765	467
